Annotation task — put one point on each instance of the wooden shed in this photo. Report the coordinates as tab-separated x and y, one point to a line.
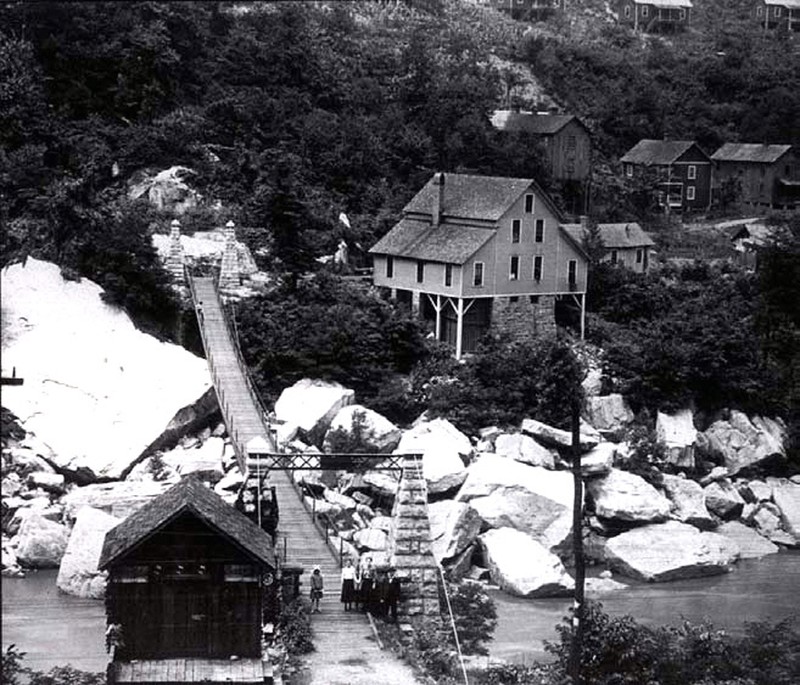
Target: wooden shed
191	580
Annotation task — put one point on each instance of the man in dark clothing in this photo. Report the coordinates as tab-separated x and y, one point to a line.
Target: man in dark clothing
392	596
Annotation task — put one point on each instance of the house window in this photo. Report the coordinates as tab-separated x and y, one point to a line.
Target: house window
777	12
130	574
639	256
513	299
513	269
692	173
537	268
629	170
420	272
515	230
627	11
390	267
572	272
614	256
529	203
683	13
448	275
240	573
534	299
645	10
539	234
477	274
571	143
759	11
690	192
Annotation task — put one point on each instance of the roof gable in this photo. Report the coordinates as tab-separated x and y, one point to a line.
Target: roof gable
657	152
750	152
188	495
449	243
532	122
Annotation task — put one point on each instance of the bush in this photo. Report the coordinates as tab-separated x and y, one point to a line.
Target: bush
475	616
295	627
353	441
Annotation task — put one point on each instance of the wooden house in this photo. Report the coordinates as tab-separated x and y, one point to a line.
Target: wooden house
566	140
773	14
188	590
763	175
478	252
678	170
626	244
654	16
527	10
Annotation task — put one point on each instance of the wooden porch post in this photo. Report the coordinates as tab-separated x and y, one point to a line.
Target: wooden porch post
459	327
583	315
438	317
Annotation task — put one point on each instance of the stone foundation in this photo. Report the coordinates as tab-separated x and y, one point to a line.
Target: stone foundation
524	318
409	548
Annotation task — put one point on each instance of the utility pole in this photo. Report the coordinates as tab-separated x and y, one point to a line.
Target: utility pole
576	651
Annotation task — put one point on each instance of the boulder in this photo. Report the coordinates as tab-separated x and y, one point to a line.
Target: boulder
723	499
523	567
383	523
11	486
443	448
766	521
118	499
371	539
205	459
756	491
717	473
454	527
593	381
460	565
781	537
608	413
321	506
597	587
669	551
599	460
523	448
166	190
678	435
9	561
78	573
41	543
447	482
688	502
339	499
787	497
624	496
751	544
744	443
374	428
311	405
381	483
555	437
49	482
231	482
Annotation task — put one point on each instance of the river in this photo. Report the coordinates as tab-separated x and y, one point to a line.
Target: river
55	629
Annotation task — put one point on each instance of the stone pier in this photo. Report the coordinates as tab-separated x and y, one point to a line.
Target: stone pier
229	275
175	257
409	545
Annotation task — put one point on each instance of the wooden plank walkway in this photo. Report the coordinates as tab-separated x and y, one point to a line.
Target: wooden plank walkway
192	670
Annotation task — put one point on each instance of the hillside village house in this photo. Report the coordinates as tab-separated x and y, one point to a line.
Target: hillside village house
773	14
655	15
626	244
678	169
478	252
526	10
764	175
188	589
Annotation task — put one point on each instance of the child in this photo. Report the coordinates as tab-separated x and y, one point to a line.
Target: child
316	590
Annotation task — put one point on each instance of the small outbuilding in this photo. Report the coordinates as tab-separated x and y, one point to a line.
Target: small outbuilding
626	244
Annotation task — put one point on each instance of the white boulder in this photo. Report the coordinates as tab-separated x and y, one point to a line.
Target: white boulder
627	497
442	447
311	405
205	459
743	442
678	434
608	412
688	502
375	429
78	573
523	448
372	539
454	526
555	437
41	543
382	483
723	499
787	496
118	499
11	485
166	190
669	551
523	567
756	491
751	544
339	499
767	522
599	460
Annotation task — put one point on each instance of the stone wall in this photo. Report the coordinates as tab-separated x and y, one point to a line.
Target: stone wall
409	547
524	318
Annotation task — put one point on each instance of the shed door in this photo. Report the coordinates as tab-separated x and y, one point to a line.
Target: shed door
184	630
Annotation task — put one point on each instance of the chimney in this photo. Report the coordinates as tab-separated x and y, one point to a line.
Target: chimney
628	230
438	198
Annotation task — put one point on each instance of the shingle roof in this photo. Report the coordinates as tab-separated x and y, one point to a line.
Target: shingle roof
656	151
484	198
188	495
750	152
664	3
529	122
443	243
615	236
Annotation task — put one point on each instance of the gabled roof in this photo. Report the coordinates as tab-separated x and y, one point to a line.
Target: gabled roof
447	243
657	152
531	122
794	4
482	198
188	495
750	152
615	236
664	3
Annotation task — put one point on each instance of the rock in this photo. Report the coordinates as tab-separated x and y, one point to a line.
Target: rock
166	190
231	482
321	506
442	447
523	567
370	539
751	544
311	405
781	537
339	499
489	433
608	413
375	429
555	437
10	563
382	483
478	573
447	483
11	485
678	434
787	497
26	457
599	460
795	479
593	381
744	443
717	473
688	502
625	496
118	499
459	566
594	547
383	523
756	491
41	542
596	587
723	500
669	551
454	527
206	460
50	482
523	448
78	573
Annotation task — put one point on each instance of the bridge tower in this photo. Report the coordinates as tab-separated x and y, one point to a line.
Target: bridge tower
229	276
409	546
175	257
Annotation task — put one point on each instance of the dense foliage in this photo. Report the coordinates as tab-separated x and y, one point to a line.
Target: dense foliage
14	672
294	625
474	613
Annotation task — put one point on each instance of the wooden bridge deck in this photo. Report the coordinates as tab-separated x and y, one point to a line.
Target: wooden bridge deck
192	670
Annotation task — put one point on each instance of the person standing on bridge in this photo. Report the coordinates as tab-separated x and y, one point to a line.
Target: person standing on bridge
316	590
348	585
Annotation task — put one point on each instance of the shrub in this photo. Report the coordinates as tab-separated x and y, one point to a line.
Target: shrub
475	616
353	441
295	627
